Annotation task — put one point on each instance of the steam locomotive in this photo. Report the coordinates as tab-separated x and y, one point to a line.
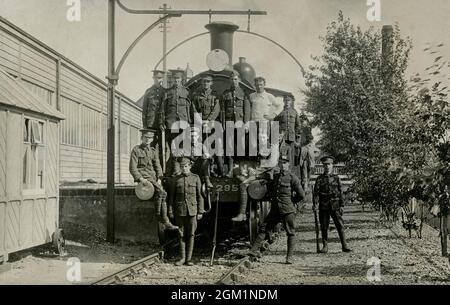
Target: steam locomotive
225	194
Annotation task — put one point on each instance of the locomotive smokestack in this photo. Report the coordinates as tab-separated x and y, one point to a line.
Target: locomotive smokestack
222	36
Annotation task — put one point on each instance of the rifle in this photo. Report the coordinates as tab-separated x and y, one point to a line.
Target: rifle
316	223
215	230
163	146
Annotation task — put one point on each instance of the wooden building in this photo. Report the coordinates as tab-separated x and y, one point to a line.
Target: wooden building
29	162
81	97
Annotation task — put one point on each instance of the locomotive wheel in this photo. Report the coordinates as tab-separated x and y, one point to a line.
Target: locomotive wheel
253	221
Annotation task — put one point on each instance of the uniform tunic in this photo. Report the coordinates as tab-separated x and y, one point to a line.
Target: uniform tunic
186	199
151	109
281	190
207	104
177	106
289	121
144	163
236	105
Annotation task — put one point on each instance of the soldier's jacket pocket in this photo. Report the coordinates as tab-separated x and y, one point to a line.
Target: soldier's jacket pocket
191	187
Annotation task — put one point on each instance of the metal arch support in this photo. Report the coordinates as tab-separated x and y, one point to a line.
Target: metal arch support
176	46
279	45
238	31
136	41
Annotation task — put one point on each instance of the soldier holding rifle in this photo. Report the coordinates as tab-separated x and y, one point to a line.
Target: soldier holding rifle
328	199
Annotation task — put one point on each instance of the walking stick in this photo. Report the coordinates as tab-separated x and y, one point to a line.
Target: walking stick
215	230
163	146
316	223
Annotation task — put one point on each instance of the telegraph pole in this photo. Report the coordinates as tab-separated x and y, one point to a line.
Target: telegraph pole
164	31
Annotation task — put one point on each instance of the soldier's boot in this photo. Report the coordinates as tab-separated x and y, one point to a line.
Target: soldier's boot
189	251
325	246
341	233
163	216
230	167
255	249
219	160
182	250
208	183
242	207
290	249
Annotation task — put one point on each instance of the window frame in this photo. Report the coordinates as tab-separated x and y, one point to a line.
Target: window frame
40	148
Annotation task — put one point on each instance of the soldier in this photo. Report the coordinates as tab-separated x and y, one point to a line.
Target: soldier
284	187
146	168
186	200
328	198
152	102
177	107
236	109
289	121
306	157
205	101
251	170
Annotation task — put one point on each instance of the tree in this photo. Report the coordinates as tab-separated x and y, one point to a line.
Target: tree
357	100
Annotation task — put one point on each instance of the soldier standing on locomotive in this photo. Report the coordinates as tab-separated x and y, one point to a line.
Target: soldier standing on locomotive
283	189
177	107
186	200
289	121
205	101
237	109
306	157
145	168
328	198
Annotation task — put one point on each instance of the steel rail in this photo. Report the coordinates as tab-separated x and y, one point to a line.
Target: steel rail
235	273
133	268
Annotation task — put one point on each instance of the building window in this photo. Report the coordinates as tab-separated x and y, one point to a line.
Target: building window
70	129
90	120
34	149
124	139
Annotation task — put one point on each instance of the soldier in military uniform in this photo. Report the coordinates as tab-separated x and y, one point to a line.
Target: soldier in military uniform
186	200
283	190
306	157
207	103
328	198
177	107
152	102
145	168
253	169
289	121
236	109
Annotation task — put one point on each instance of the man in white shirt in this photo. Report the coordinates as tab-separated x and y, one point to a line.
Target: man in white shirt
262	103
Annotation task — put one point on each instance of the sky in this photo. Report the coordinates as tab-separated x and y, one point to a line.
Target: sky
295	24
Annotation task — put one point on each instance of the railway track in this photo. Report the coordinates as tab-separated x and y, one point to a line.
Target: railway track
132	269
233	275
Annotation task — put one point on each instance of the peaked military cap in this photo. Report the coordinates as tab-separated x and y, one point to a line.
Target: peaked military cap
147	131
289	95
207	76
177	73
158	73
235	73
327	159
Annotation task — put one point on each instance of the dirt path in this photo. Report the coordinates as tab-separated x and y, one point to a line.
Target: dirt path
403	260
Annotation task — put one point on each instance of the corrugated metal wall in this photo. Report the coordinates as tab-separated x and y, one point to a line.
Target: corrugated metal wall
81	97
